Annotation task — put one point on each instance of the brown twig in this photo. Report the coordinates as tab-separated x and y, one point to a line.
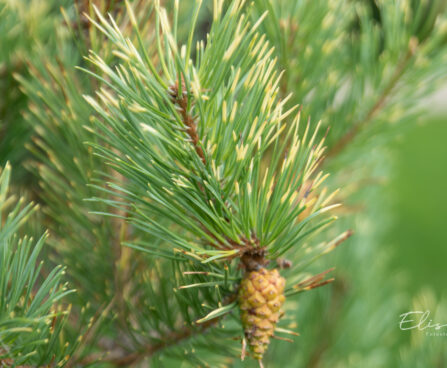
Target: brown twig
380	103
314	281
182	102
171	339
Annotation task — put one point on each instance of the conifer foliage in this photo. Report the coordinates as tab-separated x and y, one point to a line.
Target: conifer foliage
31	316
182	171
211	165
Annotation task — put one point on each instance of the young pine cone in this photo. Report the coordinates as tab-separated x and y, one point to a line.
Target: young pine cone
260	299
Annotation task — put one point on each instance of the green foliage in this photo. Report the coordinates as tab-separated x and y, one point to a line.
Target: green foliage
31	319
132	297
354	63
214	192
175	148
25	27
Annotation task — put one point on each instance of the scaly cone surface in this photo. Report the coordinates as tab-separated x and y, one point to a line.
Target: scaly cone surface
260	300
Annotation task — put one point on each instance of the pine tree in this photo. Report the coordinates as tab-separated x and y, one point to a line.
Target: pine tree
182	170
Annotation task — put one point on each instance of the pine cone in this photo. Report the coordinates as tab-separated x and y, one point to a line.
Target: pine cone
260	299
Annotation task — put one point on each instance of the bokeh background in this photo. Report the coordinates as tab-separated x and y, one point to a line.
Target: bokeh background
417	190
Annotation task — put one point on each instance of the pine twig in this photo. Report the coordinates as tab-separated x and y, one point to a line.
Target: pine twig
380	103
170	340
181	101
188	120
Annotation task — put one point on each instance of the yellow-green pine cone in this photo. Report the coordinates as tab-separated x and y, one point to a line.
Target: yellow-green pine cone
261	295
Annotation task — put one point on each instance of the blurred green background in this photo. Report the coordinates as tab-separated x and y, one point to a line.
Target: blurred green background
417	188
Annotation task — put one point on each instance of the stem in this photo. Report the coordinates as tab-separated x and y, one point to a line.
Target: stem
125	359
188	120
191	129
170	340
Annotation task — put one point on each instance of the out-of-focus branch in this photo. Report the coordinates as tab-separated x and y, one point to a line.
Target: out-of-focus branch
120	234
170	340
126	359
378	106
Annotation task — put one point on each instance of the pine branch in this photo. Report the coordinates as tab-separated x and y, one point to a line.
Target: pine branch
170	340
216	203
180	98
248	203
31	318
357	127
125	359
